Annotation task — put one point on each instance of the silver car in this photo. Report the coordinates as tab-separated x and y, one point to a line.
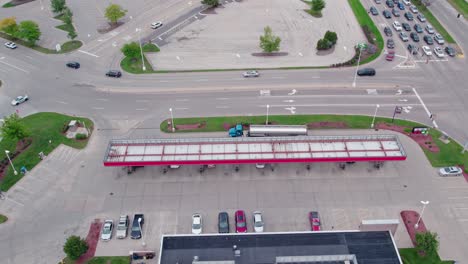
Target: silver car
106	233
10	45
258	221
122	227
251	74
439	39
197	224
450	171
20	99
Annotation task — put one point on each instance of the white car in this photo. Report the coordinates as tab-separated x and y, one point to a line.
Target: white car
427	50
258	221
414	9
439	39
197	224
20	99
10	45
251	74
450	171
407	2
106	233
156	25
429	29
439	52
397	26
122	227
260	165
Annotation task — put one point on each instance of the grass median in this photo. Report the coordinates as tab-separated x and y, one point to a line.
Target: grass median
135	65
411	256
66	47
3	219
43	127
449	155
461	6
103	260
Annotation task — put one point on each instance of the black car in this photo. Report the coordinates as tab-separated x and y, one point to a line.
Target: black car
388	31
428	40
414	36
113	73
396	12
409	16
223	222
387	14
374	11
390	3
450	51
418	28
137	225
413	49
73	64
390	44
406	26
366	72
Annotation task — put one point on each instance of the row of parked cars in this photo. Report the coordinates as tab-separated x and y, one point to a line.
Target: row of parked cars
122	227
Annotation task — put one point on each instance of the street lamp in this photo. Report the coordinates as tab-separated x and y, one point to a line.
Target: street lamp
172	120
268	107
143	243
11	163
424	203
141	49
373	119
360	47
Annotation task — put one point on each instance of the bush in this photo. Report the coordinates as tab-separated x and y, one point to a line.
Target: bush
323	44
212	3
75	247
81	136
331	36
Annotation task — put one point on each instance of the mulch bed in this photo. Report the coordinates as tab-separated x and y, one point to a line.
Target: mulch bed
409	219
326	52
21	146
109	28
92	239
269	54
326	124
425	141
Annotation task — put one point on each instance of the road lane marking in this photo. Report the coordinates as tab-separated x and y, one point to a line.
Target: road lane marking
60	102
98	108
181	108
457	197
142	101
181	100
140	109
222	98
13	66
88	53
425	107
346	105
277	77
102	99
222	107
201	80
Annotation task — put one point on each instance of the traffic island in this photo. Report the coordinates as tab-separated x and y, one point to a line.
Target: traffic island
410	219
3	219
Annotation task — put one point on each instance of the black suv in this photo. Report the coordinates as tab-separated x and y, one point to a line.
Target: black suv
418	28
413	49
73	64
137	225
428	40
390	44
390	3
366	72
406	26
409	16
388	32
113	73
223	222
387	14
414	36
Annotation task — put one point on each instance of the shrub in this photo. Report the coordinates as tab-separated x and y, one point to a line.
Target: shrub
323	44
81	136
75	247
331	36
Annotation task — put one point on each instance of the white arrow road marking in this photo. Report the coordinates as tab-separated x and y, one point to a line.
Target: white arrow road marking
293	92
178	58
399	92
300	54
238	55
222	107
288	101
60	102
403	100
292	109
98	108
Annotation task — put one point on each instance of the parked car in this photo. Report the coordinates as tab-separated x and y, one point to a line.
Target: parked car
428	40
73	64
156	25
387	14
429	29
418	28
439	39
397	26
258	221
414	9
396	12
223	222
427	50
366	72
137	225
413	49
388	31
197	223
407	2
106	233
260	165
401	6
450	171
390	55
439	52
414	36
374	11
421	17
377	1
251	74
403	36
450	51
114	73
11	45
122	227
390	44
406	26
390	3
20	99
314	220
409	16
241	224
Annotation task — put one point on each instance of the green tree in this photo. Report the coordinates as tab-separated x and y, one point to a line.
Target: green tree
331	36
317	5
428	242
323	44
67	16
75	247
29	31
72	35
212	3
14	128
57	6
131	50
269	42
9	26
114	13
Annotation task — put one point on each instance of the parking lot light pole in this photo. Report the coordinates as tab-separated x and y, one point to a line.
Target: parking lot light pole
172	120
11	163
360	47
268	108
375	114
141	49
424	203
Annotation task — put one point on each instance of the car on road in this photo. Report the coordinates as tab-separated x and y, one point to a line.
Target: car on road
421	17
439	39
388	31
428	40
73	64
137	225
387	14
439	52
390	44
430	29
374	11
114	73
413	49
390	55
156	25
397	26
407	2
396	12
20	99
450	171
314	220
413	9
122	227
414	36
258	221
106	233
401	6
223	222
11	45
403	36
366	72
427	50
390	3
406	26
241	223
248	74
418	28
409	16
197	224
450	51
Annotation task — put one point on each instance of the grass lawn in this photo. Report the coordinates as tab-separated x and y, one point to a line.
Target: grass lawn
9	4
134	65
75	44
434	22
43	127
103	260
3	219
450	154
150	47
411	256
461	6
66	27
71	46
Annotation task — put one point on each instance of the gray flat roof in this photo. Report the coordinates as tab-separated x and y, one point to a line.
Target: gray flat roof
376	247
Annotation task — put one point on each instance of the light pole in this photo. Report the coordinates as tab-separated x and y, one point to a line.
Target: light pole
172	120
373	119
141	49
360	47
268	108
11	163
424	203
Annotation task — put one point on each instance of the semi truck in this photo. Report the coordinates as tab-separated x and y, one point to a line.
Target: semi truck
269	130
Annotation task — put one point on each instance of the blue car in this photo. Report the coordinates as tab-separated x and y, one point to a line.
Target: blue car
401	6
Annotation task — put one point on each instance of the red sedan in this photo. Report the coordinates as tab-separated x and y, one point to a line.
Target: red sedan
241	223
390	55
314	220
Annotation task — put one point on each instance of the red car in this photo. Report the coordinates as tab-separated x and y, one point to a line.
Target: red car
241	223
390	55
314	220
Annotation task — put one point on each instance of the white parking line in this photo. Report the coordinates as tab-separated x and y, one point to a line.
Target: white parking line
88	53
